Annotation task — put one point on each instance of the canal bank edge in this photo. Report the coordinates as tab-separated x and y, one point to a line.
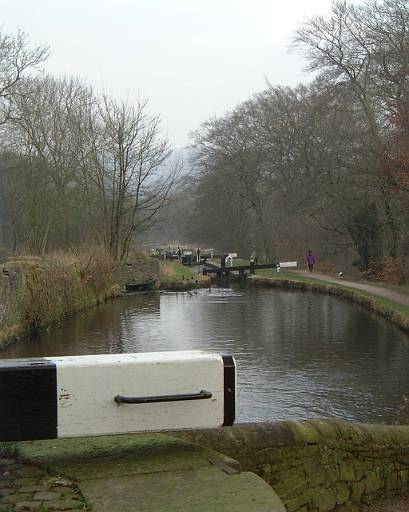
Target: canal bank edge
393	311
318	465
36	292
174	276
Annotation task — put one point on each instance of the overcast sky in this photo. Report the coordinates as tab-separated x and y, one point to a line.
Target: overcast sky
192	59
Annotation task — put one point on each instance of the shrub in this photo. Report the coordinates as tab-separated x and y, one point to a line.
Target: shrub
386	271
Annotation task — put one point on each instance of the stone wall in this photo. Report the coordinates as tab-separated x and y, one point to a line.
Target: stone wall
35	293
138	270
316	465
11	300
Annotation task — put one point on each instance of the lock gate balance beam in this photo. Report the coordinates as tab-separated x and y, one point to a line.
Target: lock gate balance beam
79	396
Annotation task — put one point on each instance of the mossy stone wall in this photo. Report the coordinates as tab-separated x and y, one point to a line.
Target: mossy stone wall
11	298
138	270
35	293
316	465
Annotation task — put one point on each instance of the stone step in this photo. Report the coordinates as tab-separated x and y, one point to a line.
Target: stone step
153	472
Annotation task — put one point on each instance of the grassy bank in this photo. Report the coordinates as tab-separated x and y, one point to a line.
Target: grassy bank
174	275
392	310
36	293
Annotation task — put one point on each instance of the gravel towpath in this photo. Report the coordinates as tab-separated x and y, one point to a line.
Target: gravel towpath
375	290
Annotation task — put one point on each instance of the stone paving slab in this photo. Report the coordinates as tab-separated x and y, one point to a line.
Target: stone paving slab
92	447
153	472
25	487
206	489
116	456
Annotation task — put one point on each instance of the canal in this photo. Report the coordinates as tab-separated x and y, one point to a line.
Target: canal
299	355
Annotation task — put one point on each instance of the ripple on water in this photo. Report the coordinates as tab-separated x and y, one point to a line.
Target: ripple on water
299	355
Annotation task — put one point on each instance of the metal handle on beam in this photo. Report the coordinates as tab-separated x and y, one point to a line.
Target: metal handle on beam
202	395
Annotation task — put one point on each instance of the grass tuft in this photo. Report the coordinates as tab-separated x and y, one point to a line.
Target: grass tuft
174	271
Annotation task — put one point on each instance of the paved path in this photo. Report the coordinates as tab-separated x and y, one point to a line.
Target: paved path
375	290
26	487
151	472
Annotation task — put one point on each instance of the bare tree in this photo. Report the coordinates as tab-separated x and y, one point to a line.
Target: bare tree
365	49
17	58
124	164
45	129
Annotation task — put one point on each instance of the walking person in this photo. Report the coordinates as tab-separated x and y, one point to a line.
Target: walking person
310	260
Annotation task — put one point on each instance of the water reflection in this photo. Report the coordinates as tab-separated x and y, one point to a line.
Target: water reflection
299	355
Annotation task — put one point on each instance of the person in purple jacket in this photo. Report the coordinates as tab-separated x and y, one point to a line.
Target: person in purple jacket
310	260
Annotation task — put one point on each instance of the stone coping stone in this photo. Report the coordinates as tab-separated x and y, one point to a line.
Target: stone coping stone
145	472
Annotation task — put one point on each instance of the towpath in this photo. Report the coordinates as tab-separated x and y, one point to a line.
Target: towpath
375	290
381	291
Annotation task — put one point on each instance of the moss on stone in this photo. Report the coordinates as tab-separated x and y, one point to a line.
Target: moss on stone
319	464
304	432
374	481
297	504
327	429
358	489
331	472
323	499
292	482
343	493
360	469
347	472
393	481
404	479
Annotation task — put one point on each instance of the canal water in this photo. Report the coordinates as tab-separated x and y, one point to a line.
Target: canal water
299	355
